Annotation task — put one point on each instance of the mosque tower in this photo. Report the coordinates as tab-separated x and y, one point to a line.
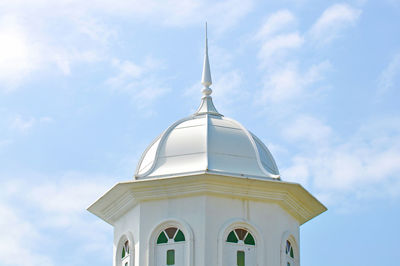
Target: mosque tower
206	192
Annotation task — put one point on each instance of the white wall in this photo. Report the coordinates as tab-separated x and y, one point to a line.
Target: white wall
208	217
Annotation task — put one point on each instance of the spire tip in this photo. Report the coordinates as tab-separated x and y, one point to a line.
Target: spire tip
206	77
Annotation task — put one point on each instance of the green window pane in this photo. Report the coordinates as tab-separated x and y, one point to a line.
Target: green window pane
171	257
123	253
240	258
162	239
126	264
291	252
232	238
288	264
249	240
179	236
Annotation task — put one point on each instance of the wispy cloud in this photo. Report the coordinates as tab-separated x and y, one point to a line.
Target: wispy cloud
22	124
25	123
139	81
307	128
16	232
290	83
75	32
277	37
278	45
278	21
365	165
51	205
389	74
332	22
362	166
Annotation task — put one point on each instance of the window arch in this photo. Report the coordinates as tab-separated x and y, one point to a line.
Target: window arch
124	251
227	251
167	243
240	248
171	247
289	250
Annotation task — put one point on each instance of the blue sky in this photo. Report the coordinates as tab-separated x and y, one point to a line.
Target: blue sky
86	85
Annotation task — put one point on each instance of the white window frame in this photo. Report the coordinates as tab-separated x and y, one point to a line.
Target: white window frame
251	228
118	250
296	252
181	225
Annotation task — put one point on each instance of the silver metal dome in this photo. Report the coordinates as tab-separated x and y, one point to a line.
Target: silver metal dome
207	142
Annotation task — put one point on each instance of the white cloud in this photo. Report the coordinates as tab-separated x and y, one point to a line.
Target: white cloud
22	124
224	14
95	29
307	128
25	50
18	239
388	75
74	32
298	172
277	38
30	218
289	83
126	70
332	21
139	81
276	22
5	142
178	13
278	46
229	90
363	166
221	14
18	56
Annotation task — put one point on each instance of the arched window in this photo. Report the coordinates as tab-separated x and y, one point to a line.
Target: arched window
125	254
170	247
240	248
290	258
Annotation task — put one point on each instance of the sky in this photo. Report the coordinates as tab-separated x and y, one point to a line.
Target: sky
85	86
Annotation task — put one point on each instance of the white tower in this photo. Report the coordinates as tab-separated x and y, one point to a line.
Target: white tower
206	192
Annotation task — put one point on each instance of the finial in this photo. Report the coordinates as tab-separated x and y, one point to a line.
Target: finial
206	77
207	106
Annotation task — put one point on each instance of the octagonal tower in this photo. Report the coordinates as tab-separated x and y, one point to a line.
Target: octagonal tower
206	192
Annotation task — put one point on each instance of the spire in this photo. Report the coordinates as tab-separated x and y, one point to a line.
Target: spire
206	77
206	105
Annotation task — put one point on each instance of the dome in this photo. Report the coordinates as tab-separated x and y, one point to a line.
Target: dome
207	142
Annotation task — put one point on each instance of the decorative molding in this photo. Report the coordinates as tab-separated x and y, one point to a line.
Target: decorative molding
291	197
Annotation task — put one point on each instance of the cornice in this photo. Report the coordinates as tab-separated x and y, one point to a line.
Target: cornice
291	197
